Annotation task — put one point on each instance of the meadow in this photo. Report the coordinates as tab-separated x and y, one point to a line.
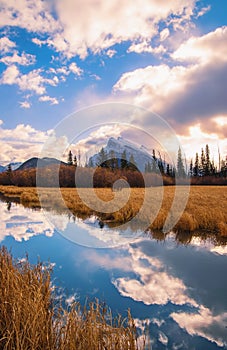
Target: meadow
205	210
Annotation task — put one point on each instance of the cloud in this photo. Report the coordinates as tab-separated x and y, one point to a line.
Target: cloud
20	143
24	60
75	69
110	53
204	324
6	45
38	41
32	81
145	47
203	10
22	224
184	93
25	104
153	284
10	75
33	15
98	30
52	100
164	34
150	85
107	262
207	48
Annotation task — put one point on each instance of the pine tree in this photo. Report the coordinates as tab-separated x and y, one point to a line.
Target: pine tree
160	164
202	167
75	161
9	169
9	173
123	160
191	169
180	165
70	158
102	157
207	170
112	161
196	166
154	167
132	163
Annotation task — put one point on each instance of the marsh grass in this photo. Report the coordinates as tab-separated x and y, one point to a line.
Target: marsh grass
206	209
32	319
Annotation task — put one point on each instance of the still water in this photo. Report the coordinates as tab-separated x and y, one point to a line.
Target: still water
179	291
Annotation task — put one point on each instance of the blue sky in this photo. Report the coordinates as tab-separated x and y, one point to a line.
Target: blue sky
57	57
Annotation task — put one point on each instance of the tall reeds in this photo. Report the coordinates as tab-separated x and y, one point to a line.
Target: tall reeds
32	319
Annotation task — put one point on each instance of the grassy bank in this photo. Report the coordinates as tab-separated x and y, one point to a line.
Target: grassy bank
205	210
31	319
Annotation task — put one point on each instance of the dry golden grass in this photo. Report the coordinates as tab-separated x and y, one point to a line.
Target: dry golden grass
206	208
30	319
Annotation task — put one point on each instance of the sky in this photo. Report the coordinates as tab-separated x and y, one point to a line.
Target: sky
58	57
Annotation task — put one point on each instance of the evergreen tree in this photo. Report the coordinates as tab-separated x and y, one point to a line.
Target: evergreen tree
196	166
102	157
191	169
123	160
70	158
9	169
75	161
154	167
132	163
207	170
202	167
9	173
112	161
180	165
160	164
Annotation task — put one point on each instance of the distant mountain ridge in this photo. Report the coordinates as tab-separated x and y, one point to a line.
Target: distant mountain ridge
32	163
14	166
42	162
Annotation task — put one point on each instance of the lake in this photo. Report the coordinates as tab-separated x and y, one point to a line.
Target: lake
177	292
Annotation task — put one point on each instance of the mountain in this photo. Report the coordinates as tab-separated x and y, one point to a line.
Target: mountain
14	166
32	163
2	168
118	146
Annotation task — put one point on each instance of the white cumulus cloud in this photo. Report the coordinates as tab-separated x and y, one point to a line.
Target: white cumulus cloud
52	100
24	59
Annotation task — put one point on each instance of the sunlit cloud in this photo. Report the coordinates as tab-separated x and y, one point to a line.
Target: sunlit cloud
152	284
204	324
22	224
207	48
20	143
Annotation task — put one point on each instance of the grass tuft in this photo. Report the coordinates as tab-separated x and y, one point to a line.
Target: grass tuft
31	319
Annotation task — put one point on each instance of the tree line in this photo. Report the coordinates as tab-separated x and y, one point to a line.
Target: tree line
110	168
